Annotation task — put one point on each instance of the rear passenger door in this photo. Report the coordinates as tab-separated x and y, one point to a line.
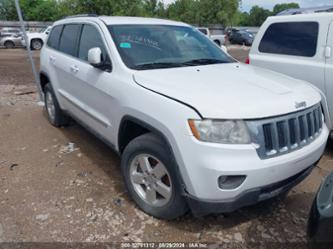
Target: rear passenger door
49	55
64	62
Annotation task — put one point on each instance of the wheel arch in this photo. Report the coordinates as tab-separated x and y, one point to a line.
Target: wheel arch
34	39
218	42
123	141
43	79
141	127
9	41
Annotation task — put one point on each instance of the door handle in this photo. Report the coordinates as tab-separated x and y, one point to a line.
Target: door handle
328	52
74	69
52	59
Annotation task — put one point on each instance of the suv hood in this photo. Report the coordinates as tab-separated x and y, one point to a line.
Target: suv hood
230	91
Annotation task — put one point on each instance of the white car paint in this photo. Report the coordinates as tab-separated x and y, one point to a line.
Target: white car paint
247	82
218	39
167	98
318	70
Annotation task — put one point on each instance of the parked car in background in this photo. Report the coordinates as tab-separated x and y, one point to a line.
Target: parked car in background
241	37
250	29
10	31
36	40
10	41
230	30
216	35
300	46
188	138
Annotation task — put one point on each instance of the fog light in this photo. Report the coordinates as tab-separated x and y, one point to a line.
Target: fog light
230	182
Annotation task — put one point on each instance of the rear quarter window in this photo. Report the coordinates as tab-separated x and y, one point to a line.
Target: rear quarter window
291	38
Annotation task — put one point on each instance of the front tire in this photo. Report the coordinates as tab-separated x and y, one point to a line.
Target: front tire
9	45
54	113
150	176
36	44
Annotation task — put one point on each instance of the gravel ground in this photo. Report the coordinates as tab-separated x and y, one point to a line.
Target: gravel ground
65	185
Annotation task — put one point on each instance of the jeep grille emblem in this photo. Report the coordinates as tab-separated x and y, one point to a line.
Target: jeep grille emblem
300	104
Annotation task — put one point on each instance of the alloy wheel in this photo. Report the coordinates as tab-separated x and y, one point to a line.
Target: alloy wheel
36	45
151	180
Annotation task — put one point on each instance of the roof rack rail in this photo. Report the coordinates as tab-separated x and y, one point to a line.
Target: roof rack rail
82	15
322	9
327	10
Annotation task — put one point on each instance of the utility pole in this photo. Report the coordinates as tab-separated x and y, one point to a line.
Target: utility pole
33	66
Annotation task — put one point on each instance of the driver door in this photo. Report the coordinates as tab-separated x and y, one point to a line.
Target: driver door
90	98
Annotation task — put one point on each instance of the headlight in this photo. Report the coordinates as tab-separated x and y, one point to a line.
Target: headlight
220	131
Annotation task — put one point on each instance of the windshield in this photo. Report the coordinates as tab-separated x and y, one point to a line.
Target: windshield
144	47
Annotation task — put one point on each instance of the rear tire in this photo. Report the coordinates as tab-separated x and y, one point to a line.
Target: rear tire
9	45
54	113
36	44
150	176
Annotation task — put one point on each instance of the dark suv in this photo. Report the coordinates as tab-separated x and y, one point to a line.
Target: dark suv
241	37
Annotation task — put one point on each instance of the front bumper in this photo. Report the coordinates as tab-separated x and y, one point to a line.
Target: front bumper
201	165
249	197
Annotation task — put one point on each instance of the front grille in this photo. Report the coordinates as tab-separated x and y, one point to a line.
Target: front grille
280	135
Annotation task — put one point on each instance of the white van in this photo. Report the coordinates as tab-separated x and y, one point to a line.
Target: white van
300	46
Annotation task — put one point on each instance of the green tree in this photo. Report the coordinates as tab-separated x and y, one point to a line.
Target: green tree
154	8
204	12
200	12
39	10
241	18
8	10
258	15
184	10
284	6
217	11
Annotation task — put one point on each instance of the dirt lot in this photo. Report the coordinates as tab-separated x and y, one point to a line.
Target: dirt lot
48	194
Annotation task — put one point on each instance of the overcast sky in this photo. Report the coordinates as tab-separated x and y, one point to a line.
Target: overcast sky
268	4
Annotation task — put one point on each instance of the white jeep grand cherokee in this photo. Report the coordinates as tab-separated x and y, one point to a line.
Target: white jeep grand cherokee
195	128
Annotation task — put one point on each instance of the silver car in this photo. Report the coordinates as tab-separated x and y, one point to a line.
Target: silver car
10	41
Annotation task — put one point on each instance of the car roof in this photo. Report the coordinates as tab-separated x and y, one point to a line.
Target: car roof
301	16
297	11
123	20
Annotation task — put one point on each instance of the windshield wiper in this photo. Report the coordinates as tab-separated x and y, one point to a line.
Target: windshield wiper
198	62
157	65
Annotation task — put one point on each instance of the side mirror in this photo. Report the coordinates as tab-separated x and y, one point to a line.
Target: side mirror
95	56
95	59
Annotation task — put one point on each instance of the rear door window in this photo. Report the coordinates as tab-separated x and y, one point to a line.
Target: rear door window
68	40
53	40
291	38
